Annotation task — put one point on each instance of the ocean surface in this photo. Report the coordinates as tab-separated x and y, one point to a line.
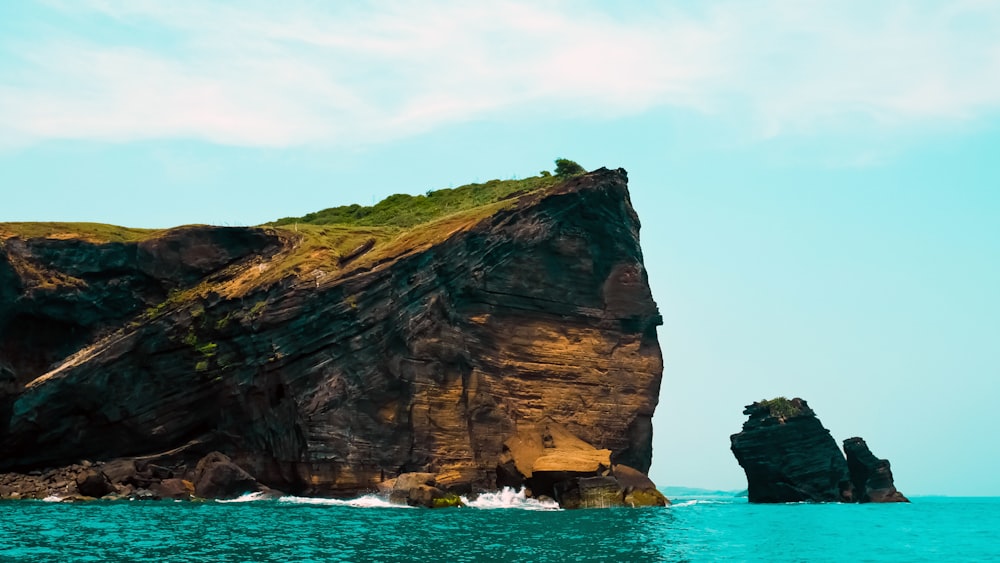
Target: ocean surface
501	527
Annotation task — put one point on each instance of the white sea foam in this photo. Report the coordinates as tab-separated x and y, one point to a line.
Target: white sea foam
248	497
509	498
52	498
367	501
693	502
506	498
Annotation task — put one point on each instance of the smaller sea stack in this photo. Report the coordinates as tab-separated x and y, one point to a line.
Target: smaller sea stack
871	476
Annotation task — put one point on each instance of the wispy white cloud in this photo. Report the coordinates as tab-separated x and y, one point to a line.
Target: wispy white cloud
256	74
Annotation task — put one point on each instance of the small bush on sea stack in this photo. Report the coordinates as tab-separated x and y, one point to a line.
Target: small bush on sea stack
781	407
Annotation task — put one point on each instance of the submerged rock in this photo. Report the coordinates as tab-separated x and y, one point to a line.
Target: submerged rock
639	489
590	492
420	489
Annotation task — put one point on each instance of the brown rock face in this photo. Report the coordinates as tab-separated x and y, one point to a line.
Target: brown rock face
428	358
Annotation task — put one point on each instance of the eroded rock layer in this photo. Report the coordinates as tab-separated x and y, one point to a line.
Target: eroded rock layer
426	359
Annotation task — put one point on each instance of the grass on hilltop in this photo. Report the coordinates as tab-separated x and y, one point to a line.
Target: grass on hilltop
90	232
404	211
334	240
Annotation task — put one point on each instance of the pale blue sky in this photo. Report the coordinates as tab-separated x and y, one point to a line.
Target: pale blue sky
819	182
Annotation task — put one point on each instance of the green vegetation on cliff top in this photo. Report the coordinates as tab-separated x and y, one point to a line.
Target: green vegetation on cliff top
405	211
91	232
346	237
389	217
325	245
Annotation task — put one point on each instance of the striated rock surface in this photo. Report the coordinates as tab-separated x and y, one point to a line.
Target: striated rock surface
328	365
788	455
871	476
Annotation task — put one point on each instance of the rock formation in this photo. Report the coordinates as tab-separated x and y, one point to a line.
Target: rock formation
788	456
214	476
326	361
420	489
551	462
871	476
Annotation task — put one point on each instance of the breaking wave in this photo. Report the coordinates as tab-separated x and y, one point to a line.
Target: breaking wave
506	498
509	498
367	501
693	502
248	497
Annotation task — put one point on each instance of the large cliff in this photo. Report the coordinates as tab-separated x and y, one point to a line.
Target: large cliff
327	359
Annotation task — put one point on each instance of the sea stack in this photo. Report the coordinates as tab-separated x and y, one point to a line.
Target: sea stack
327	359
871	476
788	456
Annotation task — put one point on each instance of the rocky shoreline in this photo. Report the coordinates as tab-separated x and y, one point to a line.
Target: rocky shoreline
215	476
546	461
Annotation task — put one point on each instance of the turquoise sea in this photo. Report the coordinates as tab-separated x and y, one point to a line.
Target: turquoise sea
500	528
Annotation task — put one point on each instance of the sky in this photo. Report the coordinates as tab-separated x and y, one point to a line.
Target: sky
818	182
